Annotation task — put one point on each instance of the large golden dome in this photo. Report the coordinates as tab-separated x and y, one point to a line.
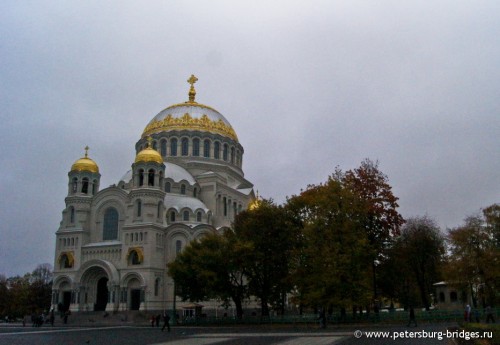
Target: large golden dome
149	155
85	164
190	115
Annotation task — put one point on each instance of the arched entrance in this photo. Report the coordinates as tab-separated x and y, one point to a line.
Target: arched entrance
102	294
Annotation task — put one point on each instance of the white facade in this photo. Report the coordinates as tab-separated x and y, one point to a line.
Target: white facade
113	245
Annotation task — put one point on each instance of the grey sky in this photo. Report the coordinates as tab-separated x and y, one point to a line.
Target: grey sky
307	85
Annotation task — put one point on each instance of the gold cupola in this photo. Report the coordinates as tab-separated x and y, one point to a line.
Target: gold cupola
85	164
255	203
149	155
192	116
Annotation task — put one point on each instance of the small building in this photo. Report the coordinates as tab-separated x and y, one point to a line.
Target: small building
449	297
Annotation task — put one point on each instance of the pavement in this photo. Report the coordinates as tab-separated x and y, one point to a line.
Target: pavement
252	335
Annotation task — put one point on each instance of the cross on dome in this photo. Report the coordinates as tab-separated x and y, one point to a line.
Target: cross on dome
192	92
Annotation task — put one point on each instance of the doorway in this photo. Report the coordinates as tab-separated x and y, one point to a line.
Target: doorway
102	294
135	299
66	300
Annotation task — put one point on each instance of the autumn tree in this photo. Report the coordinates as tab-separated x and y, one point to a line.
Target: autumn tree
380	218
333	257
211	268
474	260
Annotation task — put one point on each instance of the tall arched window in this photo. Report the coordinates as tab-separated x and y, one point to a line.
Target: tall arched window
224	201
172	216
217	150
158	211
185	216
141	177
232	155
173	147
110	224
224	153
196	147
65	262
163	147
139	208
178	246
198	216
183	189
94	187
195	192
74	185
168	186
155	145
72	215
206	148
85	185
185	146
151	177
157	286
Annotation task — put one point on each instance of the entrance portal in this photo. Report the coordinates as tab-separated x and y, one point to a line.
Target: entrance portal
135	299
66	300
102	294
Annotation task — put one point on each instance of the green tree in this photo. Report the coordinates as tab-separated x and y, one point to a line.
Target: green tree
211	268
420	252
269	232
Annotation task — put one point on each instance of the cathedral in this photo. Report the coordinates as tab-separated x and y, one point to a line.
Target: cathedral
113	244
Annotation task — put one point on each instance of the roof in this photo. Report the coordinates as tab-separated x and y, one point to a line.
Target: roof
178	202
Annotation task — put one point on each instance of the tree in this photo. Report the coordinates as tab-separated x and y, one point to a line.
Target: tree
416	256
333	255
269	234
381	220
474	260
211	268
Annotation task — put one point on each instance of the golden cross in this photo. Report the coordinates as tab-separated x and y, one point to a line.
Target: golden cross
192	92
192	80
86	151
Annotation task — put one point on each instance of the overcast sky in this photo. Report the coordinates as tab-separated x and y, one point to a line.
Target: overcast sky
307	86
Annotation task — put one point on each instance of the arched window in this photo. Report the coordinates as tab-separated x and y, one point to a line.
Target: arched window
195	192
178	246
65	261
183	189
196	147
141	177
185	216
224	153
151	177
133	258
110	224
206	148
238	157
453	296
158	211
71	215
172	216
185	146
155	145
217	150
139	208
232	155
224	201
198	216
167	187
157	286
94	187
163	147
85	185
441	297
173	147
74	185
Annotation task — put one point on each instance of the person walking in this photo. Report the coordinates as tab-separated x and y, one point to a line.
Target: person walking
412	317
489	315
166	321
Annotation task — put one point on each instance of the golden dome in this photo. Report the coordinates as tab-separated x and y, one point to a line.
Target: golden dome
255	204
85	164
190	115
149	155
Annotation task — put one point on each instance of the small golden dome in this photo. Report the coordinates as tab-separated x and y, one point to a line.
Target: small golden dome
85	164
255	204
149	155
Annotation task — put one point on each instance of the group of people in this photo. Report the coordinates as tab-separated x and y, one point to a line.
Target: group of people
468	314
155	320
